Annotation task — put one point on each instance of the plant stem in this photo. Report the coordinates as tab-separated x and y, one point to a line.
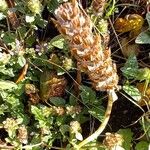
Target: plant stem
102	126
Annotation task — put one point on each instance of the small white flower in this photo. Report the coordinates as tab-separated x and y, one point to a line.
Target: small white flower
29	19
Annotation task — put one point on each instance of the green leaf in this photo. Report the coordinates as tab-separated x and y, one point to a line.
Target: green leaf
4	85
18	112
148	18
20	89
61	120
127	137
40	22
21	61
144	74
39	115
48	139
110	8
22	31
3	108
64	129
98	113
130	69
58	42
35	140
142	145
57	101
30	40
2	16
133	92
143	38
72	100
6	71
37	112
52	5
87	94
60	71
9	38
13	100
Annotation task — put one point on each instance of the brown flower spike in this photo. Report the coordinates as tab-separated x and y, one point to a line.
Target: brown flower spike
98	6
92	57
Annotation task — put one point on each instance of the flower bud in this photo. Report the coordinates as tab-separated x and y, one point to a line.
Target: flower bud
67	63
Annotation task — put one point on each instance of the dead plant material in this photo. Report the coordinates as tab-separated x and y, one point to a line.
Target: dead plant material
23	73
23	134
86	47
51	85
145	91
130	23
112	140
32	92
92	57
98	6
11	14
129	48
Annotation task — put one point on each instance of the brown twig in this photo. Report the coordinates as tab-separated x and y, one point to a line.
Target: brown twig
78	80
11	14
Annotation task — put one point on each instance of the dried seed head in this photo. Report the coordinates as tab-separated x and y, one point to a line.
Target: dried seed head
58	110
10	124
32	93
30	89
72	110
51	85
98	6
112	140
86	47
75	126
23	134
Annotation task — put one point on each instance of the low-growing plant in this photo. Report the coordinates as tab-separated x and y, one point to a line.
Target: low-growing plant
44	104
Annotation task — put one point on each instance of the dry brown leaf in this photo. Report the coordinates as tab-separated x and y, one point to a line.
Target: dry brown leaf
145	94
